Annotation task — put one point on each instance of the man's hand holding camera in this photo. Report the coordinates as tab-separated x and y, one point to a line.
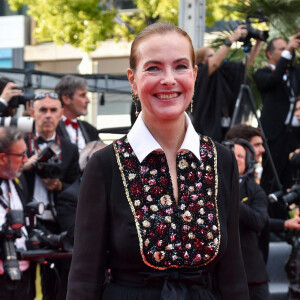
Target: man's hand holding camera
11	90
294	43
293	223
240	32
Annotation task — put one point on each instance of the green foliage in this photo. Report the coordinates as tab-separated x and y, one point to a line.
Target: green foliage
85	23
148	12
82	24
217	10
283	15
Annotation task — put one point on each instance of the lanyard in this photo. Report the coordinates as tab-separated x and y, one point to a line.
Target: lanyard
2	199
33	144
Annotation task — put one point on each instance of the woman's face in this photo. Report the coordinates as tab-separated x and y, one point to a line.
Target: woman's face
164	76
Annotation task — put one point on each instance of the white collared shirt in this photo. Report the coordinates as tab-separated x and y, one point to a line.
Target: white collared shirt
14	203
143	143
72	134
3	101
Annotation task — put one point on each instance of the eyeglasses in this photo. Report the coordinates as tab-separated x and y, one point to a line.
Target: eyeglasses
16	154
41	96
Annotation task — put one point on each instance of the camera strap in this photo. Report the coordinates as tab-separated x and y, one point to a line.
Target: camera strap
33	145
6	206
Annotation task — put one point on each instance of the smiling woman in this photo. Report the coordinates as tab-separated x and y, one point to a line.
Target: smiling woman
162	201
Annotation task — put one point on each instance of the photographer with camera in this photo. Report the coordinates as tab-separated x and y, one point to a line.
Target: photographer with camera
278	84
253	219
276	225
8	90
53	167
13	196
217	85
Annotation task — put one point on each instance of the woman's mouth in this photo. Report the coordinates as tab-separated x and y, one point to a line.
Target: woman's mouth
167	96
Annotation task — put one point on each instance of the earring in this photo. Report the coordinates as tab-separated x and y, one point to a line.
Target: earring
135	100
191	106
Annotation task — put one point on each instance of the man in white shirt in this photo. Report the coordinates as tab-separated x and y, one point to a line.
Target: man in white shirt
46	186
13	197
72	92
278	85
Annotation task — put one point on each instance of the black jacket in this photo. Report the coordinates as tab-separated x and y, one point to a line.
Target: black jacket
275	95
253	218
70	166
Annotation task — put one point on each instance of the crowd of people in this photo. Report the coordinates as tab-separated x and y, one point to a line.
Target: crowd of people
167	211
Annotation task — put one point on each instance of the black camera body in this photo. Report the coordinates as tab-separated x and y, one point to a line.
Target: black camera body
16	101
252	32
293	196
10	231
48	164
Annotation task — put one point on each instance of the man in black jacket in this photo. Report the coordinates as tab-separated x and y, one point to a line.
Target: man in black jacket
46	186
253	218
278	84
72	92
13	196
275	225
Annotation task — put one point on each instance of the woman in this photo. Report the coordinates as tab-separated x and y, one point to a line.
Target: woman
159	207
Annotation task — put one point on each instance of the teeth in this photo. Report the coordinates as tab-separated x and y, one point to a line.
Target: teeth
167	96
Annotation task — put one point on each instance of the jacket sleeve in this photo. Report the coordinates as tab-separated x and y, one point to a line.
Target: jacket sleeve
254	211
266	79
87	271
72	170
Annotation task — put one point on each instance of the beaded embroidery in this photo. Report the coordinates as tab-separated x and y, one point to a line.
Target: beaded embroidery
171	235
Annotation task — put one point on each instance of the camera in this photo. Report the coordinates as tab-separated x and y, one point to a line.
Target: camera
293	196
28	95
48	164
252	32
25	124
10	231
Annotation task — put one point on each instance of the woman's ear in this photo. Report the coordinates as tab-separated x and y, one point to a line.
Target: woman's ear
131	79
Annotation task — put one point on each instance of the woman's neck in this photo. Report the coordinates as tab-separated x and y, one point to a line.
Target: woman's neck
169	134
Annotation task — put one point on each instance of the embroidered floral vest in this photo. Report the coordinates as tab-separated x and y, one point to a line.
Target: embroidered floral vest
171	235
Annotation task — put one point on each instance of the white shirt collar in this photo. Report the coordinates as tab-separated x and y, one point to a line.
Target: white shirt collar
143	143
50	139
63	117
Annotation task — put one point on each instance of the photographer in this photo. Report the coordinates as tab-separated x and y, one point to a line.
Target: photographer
217	86
8	90
253	218
276	225
278	84
13	195
47	176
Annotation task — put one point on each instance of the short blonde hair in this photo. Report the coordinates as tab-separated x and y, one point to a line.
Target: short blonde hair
200	55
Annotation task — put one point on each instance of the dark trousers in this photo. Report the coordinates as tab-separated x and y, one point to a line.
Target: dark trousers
19	290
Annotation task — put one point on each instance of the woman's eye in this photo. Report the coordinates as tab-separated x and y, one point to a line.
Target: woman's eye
181	67
152	69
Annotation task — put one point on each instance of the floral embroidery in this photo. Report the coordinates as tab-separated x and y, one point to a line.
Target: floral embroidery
171	235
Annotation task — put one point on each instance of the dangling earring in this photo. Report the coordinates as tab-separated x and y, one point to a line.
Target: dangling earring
135	100
191	106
